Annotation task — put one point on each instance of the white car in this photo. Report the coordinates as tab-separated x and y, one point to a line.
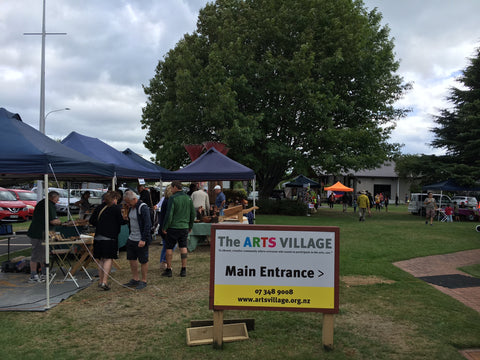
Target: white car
416	205
63	200
469	201
96	195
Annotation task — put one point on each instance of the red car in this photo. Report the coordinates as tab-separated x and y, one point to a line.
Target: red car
28	197
10	208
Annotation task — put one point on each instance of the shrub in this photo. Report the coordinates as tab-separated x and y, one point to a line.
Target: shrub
234	195
282	207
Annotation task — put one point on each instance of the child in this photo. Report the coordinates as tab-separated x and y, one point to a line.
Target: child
449	211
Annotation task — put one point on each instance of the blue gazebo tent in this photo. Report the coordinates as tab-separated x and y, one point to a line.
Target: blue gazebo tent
449	185
302	181
26	153
166	174
214	166
124	166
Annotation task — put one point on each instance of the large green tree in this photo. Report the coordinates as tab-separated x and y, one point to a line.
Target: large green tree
284	83
458	128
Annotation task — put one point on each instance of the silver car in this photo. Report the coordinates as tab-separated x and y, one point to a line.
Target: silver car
469	201
63	200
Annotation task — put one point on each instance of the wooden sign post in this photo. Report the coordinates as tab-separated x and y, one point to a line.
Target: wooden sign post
286	268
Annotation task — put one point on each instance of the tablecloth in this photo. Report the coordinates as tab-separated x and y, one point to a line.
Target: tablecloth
200	233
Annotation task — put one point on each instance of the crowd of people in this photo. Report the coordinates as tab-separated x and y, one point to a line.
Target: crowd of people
170	216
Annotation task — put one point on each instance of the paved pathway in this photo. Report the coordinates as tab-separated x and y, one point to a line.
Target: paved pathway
447	265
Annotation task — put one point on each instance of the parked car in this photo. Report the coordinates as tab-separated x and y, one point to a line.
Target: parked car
10	208
416	205
469	214
63	201
469	201
96	195
28	197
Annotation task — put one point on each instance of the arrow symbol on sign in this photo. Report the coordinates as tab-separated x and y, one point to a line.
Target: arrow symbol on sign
321	273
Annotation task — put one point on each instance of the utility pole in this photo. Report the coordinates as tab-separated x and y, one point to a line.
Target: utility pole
41	127
42	130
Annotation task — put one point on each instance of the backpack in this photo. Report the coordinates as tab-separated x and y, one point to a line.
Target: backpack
153	218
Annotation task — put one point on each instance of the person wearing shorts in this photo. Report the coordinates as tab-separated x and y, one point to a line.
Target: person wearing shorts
179	219
430	208
36	233
138	240
107	220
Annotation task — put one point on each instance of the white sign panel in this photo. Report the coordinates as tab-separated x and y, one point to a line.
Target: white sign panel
275	266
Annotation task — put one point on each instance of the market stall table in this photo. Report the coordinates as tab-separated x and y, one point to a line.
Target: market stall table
82	249
200	233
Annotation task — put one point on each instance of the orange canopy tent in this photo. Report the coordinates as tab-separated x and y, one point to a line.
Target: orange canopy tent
338	186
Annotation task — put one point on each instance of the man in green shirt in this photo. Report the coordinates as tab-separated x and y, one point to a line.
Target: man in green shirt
178	223
36	233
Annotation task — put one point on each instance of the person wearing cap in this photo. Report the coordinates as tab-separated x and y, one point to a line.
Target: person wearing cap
219	200
200	199
363	205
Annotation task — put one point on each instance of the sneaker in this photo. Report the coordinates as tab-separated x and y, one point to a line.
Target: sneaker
104	287
426	222
141	285
183	272
132	283
35	278
167	273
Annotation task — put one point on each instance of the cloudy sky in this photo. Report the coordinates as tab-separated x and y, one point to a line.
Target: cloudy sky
113	46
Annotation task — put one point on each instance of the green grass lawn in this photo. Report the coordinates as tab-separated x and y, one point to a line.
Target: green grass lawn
385	313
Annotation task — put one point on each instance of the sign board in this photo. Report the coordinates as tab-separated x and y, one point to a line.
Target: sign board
265	267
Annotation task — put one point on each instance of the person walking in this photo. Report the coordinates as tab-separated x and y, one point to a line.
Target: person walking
430	208
107	220
331	200
36	233
345	201
163	210
139	238
363	205
178	223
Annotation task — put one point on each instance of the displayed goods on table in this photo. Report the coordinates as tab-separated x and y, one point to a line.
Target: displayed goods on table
233	213
76	222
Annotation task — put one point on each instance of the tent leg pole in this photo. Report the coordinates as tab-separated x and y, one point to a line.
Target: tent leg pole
47	243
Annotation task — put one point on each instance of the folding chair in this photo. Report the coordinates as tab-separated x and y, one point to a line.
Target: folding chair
442	216
59	256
